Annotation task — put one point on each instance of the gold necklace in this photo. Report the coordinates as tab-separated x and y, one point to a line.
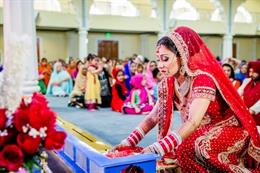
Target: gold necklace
183	89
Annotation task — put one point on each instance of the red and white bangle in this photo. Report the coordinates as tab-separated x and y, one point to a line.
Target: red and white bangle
167	144
134	138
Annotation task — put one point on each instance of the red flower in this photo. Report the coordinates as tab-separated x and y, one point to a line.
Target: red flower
38	98
3	118
28	144
11	157
41	117
11	135
55	140
2	140
21	118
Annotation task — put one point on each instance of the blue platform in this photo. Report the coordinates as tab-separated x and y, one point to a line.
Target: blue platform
82	158
109	127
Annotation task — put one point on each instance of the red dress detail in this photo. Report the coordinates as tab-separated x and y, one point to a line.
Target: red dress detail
218	144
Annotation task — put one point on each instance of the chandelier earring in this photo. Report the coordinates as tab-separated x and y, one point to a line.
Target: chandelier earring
182	70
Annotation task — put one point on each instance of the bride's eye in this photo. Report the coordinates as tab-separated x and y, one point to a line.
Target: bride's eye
165	58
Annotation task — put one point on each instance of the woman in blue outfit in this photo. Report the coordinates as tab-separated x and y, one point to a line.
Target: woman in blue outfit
60	83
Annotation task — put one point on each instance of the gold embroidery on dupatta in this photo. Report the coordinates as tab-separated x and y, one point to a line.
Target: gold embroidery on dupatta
202	144
206	120
238	169
223	156
254	151
163	92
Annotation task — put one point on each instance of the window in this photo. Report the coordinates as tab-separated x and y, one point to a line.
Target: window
183	10
218	13
47	5
242	15
153	13
113	7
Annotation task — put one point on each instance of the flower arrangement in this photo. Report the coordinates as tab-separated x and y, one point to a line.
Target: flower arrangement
25	132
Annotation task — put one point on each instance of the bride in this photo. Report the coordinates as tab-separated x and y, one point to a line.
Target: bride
218	133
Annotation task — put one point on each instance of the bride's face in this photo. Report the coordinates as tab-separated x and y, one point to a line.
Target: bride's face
168	62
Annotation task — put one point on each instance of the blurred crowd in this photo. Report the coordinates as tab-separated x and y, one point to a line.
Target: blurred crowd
130	86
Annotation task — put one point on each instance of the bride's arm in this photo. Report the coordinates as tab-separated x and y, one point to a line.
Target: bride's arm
198	109
150	120
141	130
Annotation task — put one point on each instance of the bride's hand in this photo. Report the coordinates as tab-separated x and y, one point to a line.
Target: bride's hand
148	150
116	147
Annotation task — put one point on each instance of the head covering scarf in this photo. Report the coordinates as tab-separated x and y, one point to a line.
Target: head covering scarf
80	81
197	59
136	83
255	65
46	71
58	76
151	82
239	75
128	74
115	71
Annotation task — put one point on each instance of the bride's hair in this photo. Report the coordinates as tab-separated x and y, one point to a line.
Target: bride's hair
168	43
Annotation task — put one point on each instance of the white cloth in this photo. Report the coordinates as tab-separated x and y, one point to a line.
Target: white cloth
242	87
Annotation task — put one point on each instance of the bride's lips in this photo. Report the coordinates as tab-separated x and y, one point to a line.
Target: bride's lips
163	71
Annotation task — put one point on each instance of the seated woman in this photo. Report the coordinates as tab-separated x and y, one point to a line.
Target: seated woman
218	133
151	81
119	90
45	71
41	84
229	71
242	73
78	92
139	100
130	70
60	83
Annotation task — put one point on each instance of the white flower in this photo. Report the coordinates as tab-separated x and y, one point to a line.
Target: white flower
9	113
42	132
3	133
18	51
33	133
27	100
26	128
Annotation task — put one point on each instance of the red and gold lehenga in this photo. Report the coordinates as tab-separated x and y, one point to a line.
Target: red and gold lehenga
226	140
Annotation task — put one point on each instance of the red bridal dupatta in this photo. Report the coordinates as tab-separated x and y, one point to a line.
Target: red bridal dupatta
197	59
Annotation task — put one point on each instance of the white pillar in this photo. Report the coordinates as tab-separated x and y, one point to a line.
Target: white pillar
20	61
83	32
230	8
164	9
228	37
227	45
82	43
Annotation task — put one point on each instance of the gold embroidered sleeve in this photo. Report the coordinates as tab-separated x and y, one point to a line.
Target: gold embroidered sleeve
204	92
